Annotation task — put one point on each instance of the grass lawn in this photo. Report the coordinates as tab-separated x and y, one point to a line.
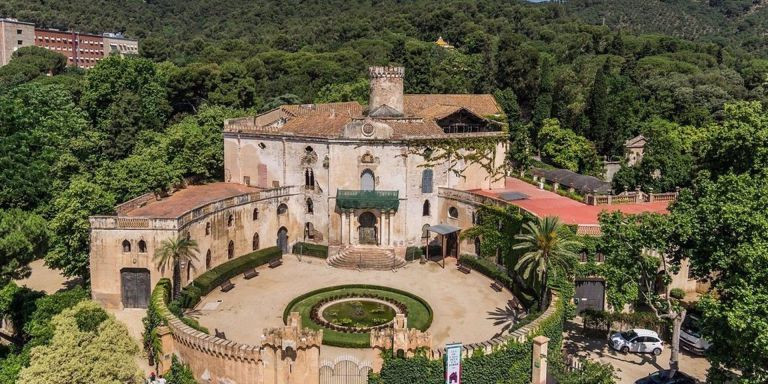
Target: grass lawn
419	312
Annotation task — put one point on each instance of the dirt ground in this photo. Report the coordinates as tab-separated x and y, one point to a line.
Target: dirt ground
629	367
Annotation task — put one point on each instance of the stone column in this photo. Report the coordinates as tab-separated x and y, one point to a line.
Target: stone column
539	371
389	228
341	228
349	227
166	343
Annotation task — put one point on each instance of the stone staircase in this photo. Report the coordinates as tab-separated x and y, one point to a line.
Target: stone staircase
366	257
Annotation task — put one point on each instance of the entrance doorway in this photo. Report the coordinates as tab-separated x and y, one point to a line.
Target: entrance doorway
452	245
135	287
282	240
367	230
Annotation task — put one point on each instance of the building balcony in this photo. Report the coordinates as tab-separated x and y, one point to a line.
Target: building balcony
357	199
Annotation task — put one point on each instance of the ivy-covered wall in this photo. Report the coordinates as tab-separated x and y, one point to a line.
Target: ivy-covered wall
510	364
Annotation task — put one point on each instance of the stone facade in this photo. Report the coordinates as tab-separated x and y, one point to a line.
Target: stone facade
14	34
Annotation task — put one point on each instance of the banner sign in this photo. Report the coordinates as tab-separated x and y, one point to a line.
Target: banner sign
453	363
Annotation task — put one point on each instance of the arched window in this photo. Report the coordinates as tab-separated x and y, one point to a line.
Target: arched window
425	210
208	260
367	181
282	209
230	220
255	242
231	250
453	212
126	246
310	206
426	181
425	231
255	214
208	228
309	231
142	246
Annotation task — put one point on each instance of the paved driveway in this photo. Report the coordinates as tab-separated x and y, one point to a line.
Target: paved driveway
629	367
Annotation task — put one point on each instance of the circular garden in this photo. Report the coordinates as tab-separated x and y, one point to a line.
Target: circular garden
348	313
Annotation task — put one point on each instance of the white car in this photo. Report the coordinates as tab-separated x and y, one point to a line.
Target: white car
638	341
690	335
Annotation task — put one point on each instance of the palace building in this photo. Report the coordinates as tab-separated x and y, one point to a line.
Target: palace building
367	181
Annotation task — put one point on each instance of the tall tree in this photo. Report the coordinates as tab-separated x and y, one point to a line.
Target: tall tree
23	238
637	251
722	226
597	110
548	248
173	252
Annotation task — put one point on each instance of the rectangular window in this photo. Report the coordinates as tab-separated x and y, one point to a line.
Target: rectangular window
18	31
426	181
262	169
247	180
20	42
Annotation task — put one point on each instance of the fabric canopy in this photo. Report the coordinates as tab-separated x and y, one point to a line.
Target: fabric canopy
383	200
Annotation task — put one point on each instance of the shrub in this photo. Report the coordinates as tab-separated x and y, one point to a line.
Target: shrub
179	373
211	279
677	293
310	249
413	253
606	321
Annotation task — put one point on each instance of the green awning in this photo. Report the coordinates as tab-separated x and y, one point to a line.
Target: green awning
355	199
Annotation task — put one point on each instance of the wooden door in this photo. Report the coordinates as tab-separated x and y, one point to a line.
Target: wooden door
135	286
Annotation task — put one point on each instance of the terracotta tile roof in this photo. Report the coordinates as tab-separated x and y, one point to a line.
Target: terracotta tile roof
190	198
481	104
328	120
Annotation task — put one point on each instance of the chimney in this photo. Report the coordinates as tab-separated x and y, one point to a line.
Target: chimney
386	89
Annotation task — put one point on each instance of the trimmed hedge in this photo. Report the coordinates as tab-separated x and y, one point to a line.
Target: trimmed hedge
413	253
208	281
310	249
416	318
492	271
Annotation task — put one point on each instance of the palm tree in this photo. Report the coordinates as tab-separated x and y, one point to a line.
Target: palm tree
547	245
174	252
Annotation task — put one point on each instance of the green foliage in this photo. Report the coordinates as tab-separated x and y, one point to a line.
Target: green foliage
739	143
71	228
214	277
102	353
413	253
151	342
171	253
38	326
604	321
179	373
355	91
311	249
565	149
720	226
23	238
591	372
28	63
677	293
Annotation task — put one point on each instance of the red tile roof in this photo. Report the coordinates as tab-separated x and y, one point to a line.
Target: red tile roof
190	198
543	203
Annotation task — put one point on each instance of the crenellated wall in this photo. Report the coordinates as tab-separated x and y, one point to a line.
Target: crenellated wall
287	355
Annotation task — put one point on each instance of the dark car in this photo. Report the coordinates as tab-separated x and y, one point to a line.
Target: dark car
663	377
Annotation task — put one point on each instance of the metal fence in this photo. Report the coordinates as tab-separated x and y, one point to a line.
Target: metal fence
344	370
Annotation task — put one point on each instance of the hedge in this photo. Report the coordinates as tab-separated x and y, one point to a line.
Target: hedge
511	363
310	249
416	319
413	253
492	271
213	278
604	321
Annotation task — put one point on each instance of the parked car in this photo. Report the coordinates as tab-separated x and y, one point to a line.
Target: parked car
638	341
690	335
663	377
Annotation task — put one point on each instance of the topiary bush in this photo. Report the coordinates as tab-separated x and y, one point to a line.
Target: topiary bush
310	249
413	253
208	281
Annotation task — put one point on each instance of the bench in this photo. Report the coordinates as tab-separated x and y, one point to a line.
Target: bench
250	274
496	285
227	286
220	335
464	268
275	263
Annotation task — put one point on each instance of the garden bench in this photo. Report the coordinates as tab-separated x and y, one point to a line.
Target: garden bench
497	286
220	335
464	269
226	286
250	274
275	263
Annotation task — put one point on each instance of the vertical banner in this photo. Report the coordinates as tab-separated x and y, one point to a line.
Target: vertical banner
453	363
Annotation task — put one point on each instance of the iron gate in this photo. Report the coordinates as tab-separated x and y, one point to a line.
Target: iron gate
135	286
590	294
344	370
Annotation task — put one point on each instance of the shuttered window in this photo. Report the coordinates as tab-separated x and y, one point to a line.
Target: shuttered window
426	181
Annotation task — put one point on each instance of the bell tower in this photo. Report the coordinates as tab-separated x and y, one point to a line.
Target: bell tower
386	99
